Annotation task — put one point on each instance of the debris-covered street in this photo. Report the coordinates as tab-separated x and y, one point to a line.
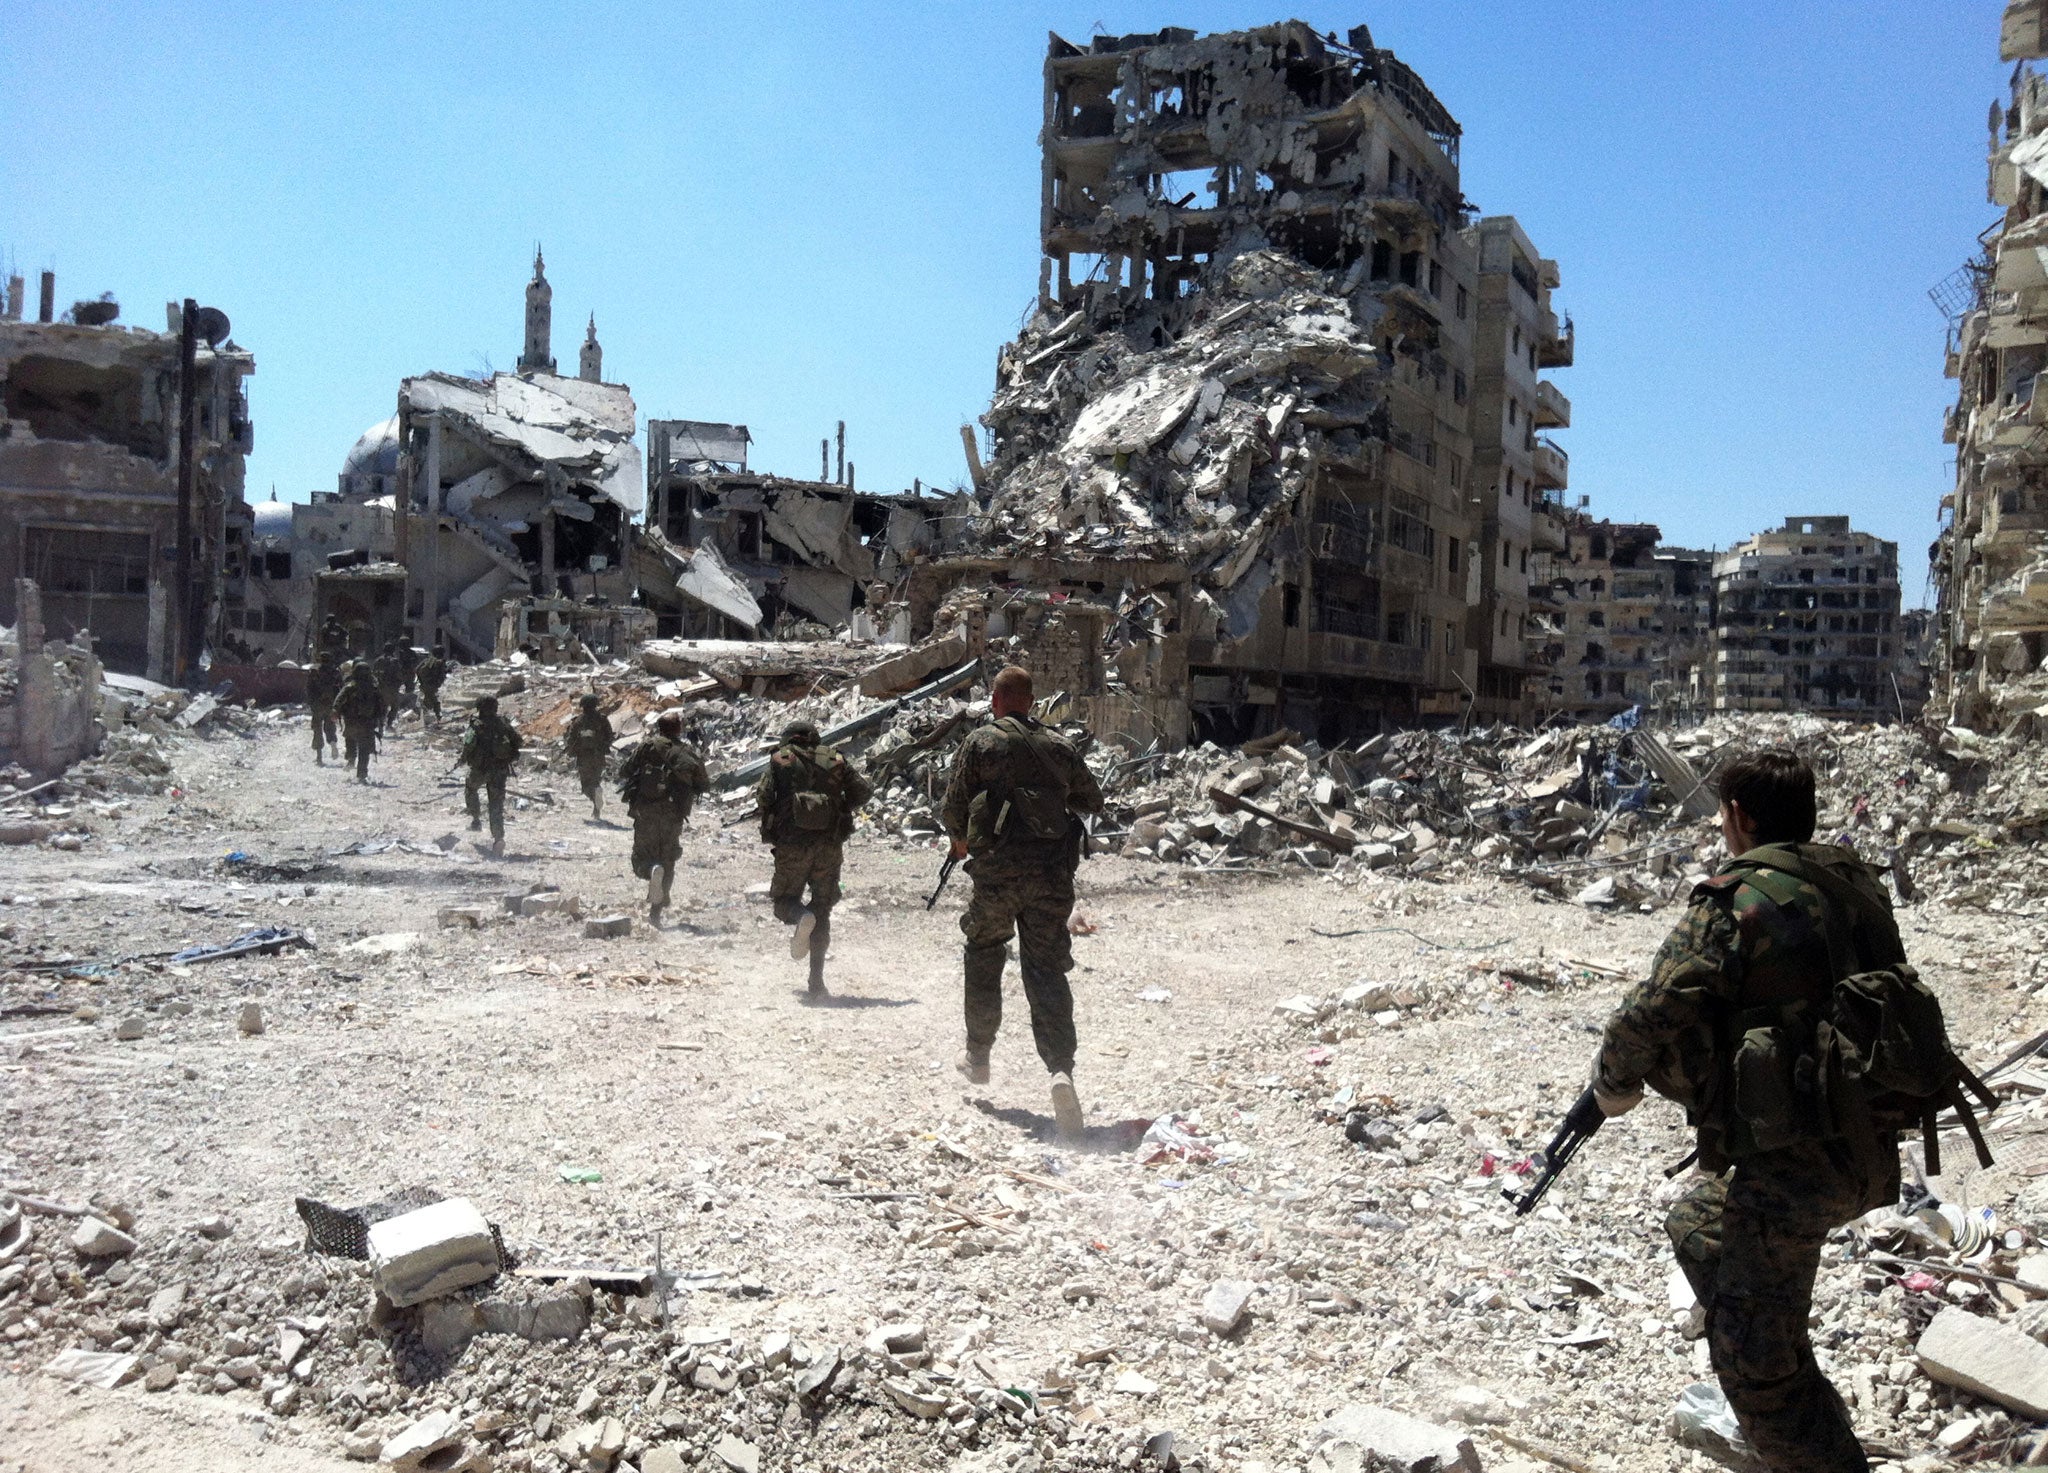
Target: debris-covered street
1306	1084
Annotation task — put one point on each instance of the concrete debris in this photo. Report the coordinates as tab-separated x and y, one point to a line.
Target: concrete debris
96	1239
1987	1359
100	1368
1226	1306
412	1448
1351	1439
606	928
433	1250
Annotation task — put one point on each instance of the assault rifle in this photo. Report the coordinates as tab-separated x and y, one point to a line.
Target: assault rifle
945	874
1580	1122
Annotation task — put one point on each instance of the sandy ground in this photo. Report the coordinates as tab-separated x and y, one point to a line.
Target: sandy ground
732	1119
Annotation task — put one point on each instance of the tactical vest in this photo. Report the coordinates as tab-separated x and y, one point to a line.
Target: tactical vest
812	789
1030	810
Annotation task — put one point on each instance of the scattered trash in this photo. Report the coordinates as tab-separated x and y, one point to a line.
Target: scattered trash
263	941
582	1175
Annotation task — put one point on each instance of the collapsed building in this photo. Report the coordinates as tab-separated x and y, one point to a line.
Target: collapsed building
1231	463
1807	619
135	532
1990	562
1620	621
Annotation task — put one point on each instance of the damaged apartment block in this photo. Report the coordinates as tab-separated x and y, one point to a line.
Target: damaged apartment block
97	481
1231	477
1991	559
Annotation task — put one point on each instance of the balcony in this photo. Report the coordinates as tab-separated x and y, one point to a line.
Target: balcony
1553	345
1553	466
1354	654
1553	410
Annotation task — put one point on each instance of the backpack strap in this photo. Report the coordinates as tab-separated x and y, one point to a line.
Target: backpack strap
1035	744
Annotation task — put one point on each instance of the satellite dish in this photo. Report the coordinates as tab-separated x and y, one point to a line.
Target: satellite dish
212	324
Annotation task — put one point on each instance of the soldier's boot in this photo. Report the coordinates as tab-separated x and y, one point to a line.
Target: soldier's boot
1066	1108
800	938
982	969
597	805
657	892
973	1065
319	758
821	940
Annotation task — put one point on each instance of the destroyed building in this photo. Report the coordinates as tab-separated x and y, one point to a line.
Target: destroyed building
1807	619
1618	621
1518	474
517	487
92	499
1990	562
1235	437
731	552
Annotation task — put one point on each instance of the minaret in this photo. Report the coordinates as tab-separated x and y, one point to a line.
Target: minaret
590	361
539	320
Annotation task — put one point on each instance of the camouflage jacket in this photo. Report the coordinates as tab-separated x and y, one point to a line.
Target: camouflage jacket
590	734
1752	937
432	671
664	773
390	676
491	745
994	759
359	700
796	768
323	684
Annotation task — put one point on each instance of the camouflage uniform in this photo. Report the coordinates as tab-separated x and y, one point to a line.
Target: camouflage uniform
1749	1236
323	684
1020	885
333	639
489	749
660	782
589	740
390	682
432	672
808	858
360	708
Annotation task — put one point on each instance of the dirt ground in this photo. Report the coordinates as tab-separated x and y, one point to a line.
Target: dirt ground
743	1126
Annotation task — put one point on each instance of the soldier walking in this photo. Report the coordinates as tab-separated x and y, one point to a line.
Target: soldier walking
390	682
659	782
1012	809
431	674
589	741
361	709
1755	947
807	799
333	638
323	684
489	749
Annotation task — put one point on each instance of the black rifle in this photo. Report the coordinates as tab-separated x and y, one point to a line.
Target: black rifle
945	874
1580	1122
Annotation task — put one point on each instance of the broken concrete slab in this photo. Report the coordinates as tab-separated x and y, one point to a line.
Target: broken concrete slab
1351	1438
434	1250
607	928
1225	1306
96	1238
1988	1359
411	1448
102	1368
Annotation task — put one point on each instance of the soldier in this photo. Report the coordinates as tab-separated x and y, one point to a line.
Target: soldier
361	709
589	740
807	799
1756	940
659	782
1013	804
408	672
432	674
333	639
489	749
323	684
389	682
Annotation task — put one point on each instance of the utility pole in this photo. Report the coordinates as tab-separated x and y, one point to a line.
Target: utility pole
185	595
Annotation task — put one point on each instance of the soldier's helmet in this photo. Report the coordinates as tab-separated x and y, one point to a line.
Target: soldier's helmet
486	705
801	733
590	703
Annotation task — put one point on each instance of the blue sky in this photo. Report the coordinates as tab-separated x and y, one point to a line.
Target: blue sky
789	215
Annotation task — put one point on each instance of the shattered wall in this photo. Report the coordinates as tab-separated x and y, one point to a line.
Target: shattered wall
52	712
89	481
1618	621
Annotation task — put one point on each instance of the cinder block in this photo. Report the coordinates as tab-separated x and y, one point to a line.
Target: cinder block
435	1250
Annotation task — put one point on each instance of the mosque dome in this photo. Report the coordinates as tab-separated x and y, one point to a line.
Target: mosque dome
375	453
272	518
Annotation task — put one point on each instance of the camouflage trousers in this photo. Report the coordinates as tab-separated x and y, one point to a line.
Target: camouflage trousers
590	774
657	839
361	737
492	782
430	701
1749	1242
1035	904
321	719
799	866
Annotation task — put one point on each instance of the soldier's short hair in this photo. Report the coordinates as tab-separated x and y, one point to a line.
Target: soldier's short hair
803	733
487	705
590	703
669	721
1774	789
1012	683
